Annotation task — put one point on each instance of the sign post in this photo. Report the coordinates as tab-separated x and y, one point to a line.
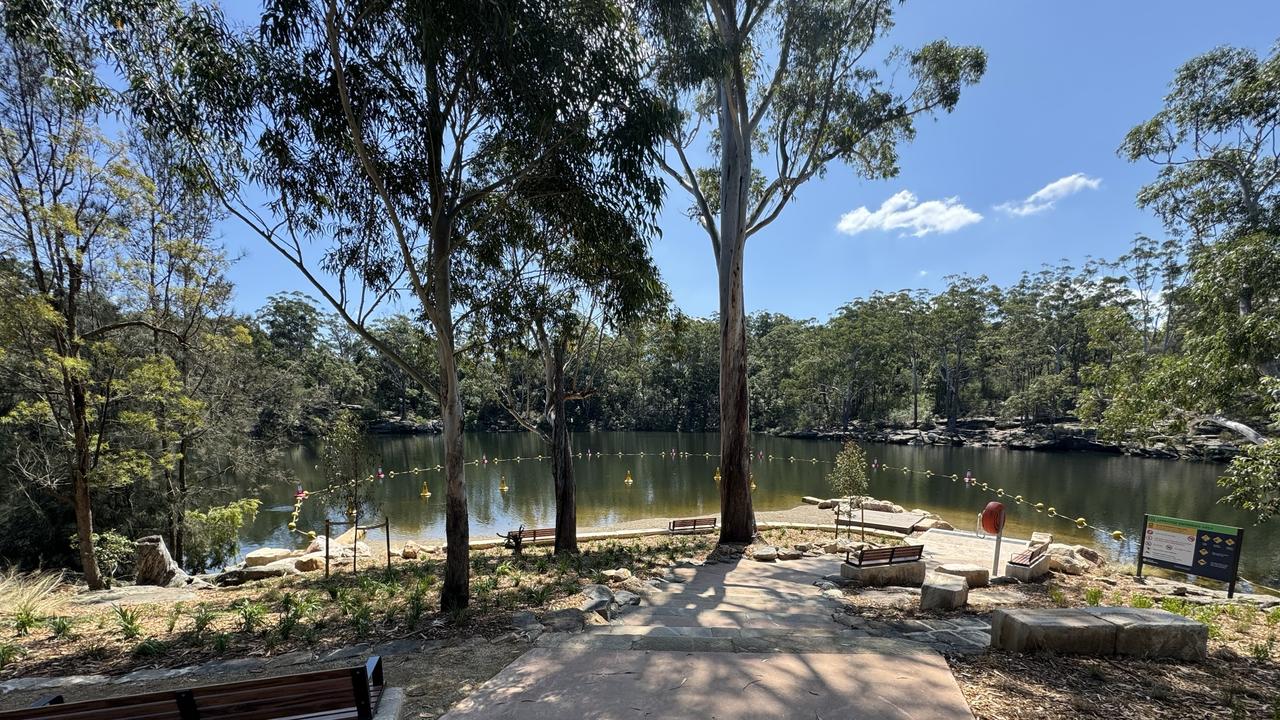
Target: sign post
1197	548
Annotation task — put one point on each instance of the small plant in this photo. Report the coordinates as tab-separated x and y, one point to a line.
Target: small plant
98	651
201	618
24	619
221	642
1273	618
416	605
62	627
251	614
149	648
1262	651
129	621
362	619
1140	601
1176	605
175	612
9	652
1207	615
505	569
1093	596
1058	597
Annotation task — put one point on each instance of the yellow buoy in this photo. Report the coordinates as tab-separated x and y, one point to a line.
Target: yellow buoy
1081	522
502	484
716	477
426	493
1117	535
627	480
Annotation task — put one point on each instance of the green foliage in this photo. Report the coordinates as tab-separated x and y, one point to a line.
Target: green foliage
1058	596
149	648
1093	596
213	535
128	621
1262	651
251	614
62	627
1176	605
24	619
202	618
848	477
1138	600
9	653
115	552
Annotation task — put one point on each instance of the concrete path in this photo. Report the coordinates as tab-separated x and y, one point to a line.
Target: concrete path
958	546
740	639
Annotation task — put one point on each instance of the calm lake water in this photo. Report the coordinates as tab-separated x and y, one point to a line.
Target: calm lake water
1112	492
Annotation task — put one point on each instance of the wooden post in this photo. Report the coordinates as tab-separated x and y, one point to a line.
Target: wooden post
386	530
327	535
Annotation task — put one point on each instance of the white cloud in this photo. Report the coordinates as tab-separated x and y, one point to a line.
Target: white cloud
905	212
923	273
1044	198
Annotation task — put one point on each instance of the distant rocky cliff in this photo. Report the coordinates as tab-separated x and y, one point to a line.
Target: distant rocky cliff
1060	437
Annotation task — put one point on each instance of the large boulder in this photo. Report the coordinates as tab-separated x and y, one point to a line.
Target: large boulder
154	564
310	562
266	556
1072	559
943	592
411	550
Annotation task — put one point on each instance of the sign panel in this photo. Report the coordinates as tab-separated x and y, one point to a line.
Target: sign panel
1190	546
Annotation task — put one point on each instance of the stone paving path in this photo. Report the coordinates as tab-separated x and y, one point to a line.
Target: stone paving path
739	639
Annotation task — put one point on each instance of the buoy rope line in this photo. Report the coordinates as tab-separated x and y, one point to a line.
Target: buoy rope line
969	480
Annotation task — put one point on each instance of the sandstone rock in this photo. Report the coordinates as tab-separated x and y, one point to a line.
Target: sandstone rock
567	620
411	550
943	592
619	575
279	568
598	599
1152	633
907	574
934	524
765	553
827	504
1056	629
155	566
317	545
309	563
974	575
623	597
832	548
1040	538
265	556
1071	559
811	500
789	554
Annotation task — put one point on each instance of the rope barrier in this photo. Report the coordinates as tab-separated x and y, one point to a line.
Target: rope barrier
970	481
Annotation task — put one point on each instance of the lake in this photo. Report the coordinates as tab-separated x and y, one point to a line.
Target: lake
1112	492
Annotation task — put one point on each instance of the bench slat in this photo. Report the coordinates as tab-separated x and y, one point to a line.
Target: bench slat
319	695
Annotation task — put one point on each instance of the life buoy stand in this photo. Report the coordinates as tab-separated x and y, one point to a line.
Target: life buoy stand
993	518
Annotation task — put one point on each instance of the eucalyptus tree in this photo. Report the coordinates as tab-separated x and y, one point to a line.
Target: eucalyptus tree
958	318
579	267
796	80
387	129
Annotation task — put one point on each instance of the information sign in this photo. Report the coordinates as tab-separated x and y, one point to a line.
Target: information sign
1190	546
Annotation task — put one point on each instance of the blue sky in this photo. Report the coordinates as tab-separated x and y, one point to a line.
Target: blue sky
1064	83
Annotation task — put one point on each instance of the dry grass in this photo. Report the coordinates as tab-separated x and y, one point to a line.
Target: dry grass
36	594
286	614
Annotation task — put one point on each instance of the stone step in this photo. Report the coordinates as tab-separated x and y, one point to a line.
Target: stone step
670	616
737	640
830	631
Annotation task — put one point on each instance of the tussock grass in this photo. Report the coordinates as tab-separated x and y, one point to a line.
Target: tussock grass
31	595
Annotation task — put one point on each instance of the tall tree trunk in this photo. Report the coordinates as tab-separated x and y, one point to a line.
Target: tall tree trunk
562	454
737	518
80	465
455	594
180	508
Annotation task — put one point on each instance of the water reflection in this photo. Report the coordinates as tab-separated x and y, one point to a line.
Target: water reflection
1112	492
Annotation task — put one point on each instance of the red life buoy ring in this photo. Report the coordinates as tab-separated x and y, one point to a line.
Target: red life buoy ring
993	518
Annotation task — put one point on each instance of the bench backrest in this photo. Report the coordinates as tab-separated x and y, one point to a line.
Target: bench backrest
889	555
692	523
1029	556
341	693
534	535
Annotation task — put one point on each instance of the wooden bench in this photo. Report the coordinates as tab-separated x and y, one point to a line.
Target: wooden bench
692	524
868	557
342	694
515	539
1028	557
